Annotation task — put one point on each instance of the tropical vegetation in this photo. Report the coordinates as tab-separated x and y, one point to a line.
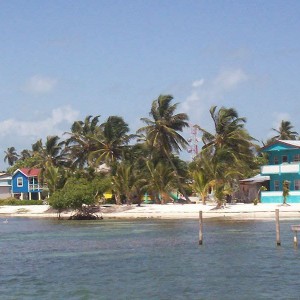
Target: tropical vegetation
96	157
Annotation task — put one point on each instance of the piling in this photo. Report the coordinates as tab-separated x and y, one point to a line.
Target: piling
295	229
278	243
200	228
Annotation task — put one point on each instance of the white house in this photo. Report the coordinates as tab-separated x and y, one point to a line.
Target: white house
5	185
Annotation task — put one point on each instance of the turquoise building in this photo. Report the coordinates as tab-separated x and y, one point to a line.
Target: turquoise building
284	164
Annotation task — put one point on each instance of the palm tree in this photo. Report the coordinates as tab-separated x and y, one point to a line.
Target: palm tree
230	149
111	144
230	136
162	131
48	157
80	143
285	131
123	182
229	131
201	184
11	156
55	177
202	175
50	153
161	180
25	154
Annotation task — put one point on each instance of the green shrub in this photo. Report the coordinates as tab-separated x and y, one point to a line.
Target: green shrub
14	201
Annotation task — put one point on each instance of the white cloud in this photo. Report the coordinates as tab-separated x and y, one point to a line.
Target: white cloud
39	128
205	93
198	83
40	85
229	79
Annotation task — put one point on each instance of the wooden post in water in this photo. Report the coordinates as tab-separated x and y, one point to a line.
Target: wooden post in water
200	228
295	229
278	243
295	239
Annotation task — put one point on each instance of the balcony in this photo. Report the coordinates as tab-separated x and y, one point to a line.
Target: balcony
283	168
36	187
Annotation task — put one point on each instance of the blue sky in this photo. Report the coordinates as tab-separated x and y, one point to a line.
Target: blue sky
63	60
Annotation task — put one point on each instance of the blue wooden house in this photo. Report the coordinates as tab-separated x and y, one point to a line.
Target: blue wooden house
26	184
284	164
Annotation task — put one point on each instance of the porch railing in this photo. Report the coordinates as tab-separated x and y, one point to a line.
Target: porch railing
283	168
36	187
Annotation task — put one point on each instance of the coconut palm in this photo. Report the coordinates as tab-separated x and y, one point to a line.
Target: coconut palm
201	184
55	177
202	175
25	154
80	142
111	144
49	153
123	182
11	156
285	131
230	136
161	181
229	132
229	148
162	131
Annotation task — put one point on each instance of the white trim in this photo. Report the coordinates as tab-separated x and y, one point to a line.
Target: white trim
21	184
290	142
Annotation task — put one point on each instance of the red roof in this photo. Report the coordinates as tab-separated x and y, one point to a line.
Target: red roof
30	172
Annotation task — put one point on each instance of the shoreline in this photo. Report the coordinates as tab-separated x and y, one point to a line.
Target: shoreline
237	211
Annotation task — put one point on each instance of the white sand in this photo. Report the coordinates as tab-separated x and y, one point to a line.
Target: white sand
168	211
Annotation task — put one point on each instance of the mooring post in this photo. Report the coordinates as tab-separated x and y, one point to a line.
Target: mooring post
295	239
278	243
200	228
295	229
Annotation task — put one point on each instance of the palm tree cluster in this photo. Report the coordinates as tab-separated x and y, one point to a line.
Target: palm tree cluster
227	155
148	160
140	162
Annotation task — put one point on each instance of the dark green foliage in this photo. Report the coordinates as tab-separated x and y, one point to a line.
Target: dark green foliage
78	193
11	156
285	131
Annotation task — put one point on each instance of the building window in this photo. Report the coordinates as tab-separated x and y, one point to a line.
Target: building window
297	184
19	181
276	162
284	159
276	185
297	157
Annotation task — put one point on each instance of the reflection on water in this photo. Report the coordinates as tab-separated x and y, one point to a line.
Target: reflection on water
146	259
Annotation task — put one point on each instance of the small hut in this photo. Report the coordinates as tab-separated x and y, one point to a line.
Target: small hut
250	187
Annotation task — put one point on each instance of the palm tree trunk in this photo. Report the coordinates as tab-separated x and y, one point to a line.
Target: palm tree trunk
118	199
203	197
181	188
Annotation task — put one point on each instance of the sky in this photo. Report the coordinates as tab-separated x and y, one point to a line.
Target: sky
61	61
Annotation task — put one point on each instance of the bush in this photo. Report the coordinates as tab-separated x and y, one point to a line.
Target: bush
77	194
14	201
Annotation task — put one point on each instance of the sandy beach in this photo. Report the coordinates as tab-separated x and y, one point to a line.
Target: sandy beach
168	211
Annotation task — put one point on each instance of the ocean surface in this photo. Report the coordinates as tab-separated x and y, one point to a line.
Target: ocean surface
147	259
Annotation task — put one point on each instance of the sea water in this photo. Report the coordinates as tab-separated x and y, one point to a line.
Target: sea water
147	259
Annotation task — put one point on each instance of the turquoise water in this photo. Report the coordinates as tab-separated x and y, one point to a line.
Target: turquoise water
147	259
